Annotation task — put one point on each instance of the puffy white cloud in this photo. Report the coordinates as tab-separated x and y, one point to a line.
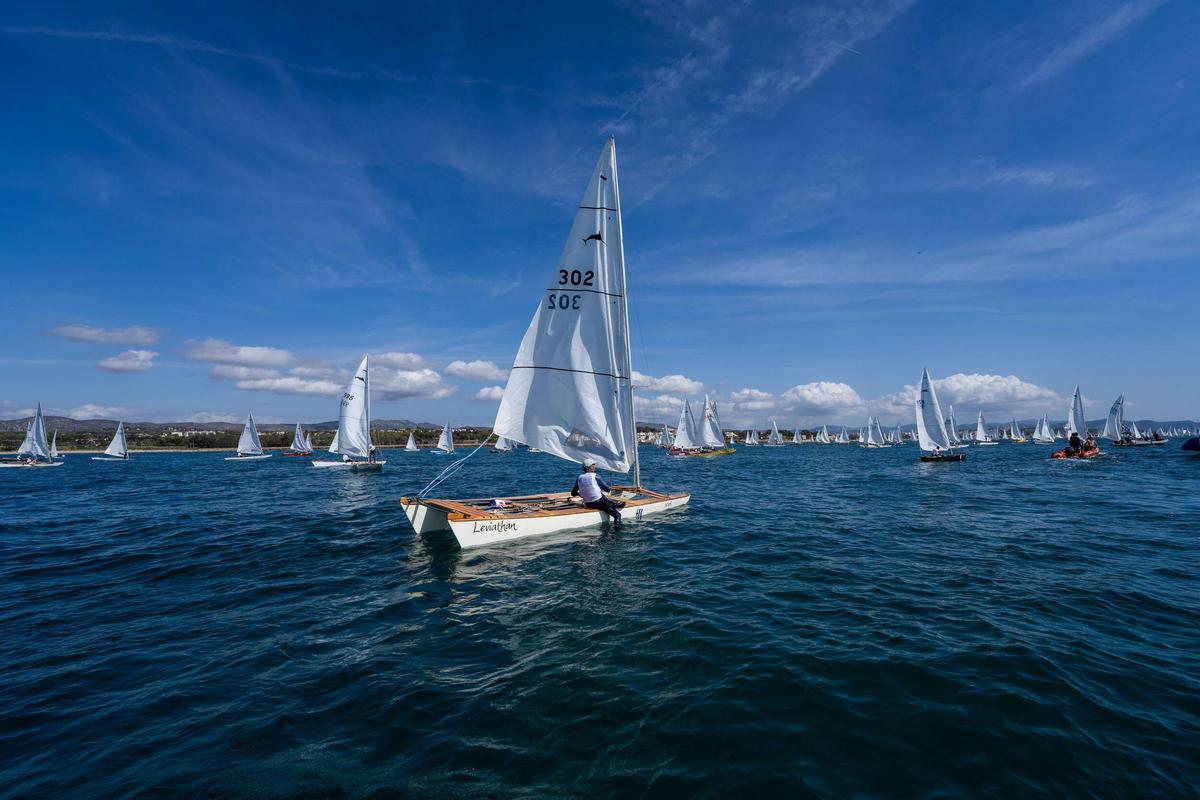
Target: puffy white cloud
661	408
213	416
129	361
290	384
219	351
134	334
394	384
976	392
401	360
670	384
489	393
316	368
476	370
821	396
93	411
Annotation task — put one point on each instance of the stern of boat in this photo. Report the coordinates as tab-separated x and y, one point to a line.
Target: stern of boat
424	518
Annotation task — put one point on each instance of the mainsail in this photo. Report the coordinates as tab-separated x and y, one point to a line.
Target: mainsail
685	431
333	446
664	437
248	444
308	442
298	444
1042	434
1115	424
823	436
1016	431
709	429
446	440
981	433
119	449
35	438
796	436
1076	423
412	442
843	437
503	443
54	446
931	430
569	391
751	437
952	428
774	437
876	433
354	419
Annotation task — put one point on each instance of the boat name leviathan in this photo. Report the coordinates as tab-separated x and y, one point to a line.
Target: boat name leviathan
493	527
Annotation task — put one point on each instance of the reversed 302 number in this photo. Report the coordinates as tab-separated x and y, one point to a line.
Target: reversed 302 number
575	277
563	301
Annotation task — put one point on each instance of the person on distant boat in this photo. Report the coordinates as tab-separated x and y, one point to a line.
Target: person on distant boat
371	455
1076	444
1090	444
590	487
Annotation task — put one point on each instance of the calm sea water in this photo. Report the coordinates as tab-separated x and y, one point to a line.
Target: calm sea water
821	621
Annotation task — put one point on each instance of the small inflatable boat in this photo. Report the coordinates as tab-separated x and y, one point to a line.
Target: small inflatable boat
1089	452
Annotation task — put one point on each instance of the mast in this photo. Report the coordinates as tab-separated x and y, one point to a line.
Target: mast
367	389
637	467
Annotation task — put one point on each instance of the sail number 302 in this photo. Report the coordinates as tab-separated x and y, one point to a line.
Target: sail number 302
569	277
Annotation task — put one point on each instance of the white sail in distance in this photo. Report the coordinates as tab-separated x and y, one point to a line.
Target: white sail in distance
751	437
569	391
248	444
952	428
503	443
823	436
1042	434
774	437
54	445
1076	423
931	430
412	443
446	440
354	416
981	433
308	442
708	429
333	446
875	434
117	447
796	436
1115	423
298	445
844	436
685	431
1015	431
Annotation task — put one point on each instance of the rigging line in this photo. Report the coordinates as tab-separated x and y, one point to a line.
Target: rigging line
572	290
598	208
564	369
450	470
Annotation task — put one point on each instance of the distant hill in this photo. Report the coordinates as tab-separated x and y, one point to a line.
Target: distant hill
68	425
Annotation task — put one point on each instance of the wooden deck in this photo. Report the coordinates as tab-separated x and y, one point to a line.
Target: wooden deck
532	505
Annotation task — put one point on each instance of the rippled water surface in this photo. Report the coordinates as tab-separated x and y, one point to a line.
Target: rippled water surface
820	621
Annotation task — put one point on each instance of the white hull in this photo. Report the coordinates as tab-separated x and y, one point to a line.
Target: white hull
34	465
249	458
493	530
353	466
982	444
108	458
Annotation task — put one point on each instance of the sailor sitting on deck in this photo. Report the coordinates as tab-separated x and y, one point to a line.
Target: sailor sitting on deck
591	488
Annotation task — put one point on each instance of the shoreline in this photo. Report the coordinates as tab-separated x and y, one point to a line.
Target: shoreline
273	450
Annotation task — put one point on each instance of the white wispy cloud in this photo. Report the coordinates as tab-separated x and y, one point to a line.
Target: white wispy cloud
491	393
669	384
212	416
290	384
129	361
402	360
660	408
397	384
476	370
1089	40
221	352
134	334
200	46
976	392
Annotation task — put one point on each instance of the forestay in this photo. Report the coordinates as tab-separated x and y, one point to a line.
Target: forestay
569	391
931	430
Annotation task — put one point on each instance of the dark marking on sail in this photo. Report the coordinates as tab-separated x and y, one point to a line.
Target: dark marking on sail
595	236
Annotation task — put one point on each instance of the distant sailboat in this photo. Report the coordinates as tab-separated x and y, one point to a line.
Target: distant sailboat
1114	424
931	428
952	430
54	446
1042	434
897	435
1076	421
708	436
1016	435
299	446
981	432
308	443
823	436
570	392
411	446
774	438
796	438
686	435
752	438
34	447
664	437
874	435
843	437
353	438
503	445
249	447
117	449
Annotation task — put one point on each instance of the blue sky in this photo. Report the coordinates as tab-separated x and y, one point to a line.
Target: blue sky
211	209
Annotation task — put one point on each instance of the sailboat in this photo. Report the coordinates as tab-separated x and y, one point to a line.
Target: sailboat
874	435
897	435
1042	434
249	447
503	445
569	392
1016	436
686	435
353	438
823	436
981	432
956	441
664	437
774	438
752	438
54	446
708	436
931	428
308	442
843	437
411	446
33	448
796	437
445	445
117	449
1076	422
299	446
